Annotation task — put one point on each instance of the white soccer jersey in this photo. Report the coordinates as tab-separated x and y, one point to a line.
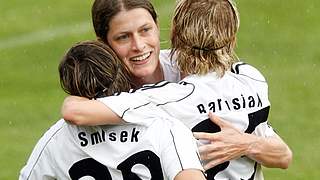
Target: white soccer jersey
170	69
156	149
240	97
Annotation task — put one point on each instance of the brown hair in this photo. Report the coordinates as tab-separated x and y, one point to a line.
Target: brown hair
104	10
203	35
91	69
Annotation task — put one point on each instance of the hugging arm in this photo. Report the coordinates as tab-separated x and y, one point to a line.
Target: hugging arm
225	145
230	144
190	174
83	111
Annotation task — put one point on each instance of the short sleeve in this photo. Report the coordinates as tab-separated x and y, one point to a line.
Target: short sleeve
179	150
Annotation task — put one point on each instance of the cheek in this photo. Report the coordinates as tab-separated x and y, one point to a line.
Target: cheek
155	40
121	51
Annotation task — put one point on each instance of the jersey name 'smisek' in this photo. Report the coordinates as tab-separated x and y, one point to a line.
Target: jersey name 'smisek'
103	136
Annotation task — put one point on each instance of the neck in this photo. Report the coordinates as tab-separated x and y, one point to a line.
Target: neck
183	75
153	78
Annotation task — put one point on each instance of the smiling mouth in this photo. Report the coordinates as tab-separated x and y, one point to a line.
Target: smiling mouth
141	58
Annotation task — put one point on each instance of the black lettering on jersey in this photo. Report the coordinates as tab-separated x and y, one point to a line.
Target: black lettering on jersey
201	108
146	158
257	118
243	102
102	136
206	126
219	104
251	101
228	105
259	101
134	135
212	107
83	139
112	136
96	170
89	167
236	103
210	127
96	138
123	136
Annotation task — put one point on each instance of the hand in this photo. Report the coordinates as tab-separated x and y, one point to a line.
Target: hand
224	146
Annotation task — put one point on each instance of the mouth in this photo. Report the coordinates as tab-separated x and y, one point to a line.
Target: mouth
141	57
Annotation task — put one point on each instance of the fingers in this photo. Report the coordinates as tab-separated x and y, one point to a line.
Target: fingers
219	121
211	164
215	119
204	136
211	157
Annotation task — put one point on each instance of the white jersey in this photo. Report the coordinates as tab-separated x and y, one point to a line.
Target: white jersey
169	66
156	149
240	97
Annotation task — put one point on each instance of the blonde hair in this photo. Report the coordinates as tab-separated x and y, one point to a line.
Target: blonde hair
203	35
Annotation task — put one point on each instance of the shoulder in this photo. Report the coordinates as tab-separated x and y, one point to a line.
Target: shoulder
242	68
41	153
164	54
169	66
50	137
54	130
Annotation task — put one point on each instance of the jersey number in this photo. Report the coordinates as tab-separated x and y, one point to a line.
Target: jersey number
208	126
91	167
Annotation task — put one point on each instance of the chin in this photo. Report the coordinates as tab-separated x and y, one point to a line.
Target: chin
144	73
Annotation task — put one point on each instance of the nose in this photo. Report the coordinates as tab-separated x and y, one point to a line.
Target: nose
138	43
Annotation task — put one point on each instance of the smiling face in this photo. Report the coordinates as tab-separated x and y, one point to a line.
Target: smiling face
134	36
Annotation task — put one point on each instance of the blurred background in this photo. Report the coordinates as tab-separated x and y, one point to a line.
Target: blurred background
278	37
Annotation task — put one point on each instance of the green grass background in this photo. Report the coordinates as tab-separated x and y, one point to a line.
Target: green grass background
278	37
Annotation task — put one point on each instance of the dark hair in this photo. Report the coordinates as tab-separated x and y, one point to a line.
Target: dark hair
91	69
104	10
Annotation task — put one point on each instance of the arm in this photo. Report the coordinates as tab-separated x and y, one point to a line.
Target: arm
190	174
230	144
271	152
82	111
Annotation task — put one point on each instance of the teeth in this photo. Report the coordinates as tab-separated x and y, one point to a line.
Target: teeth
140	58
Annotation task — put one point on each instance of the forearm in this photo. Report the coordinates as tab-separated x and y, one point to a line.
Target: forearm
271	152
190	174
82	111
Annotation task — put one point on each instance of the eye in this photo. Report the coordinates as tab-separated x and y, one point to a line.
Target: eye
122	37
146	29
